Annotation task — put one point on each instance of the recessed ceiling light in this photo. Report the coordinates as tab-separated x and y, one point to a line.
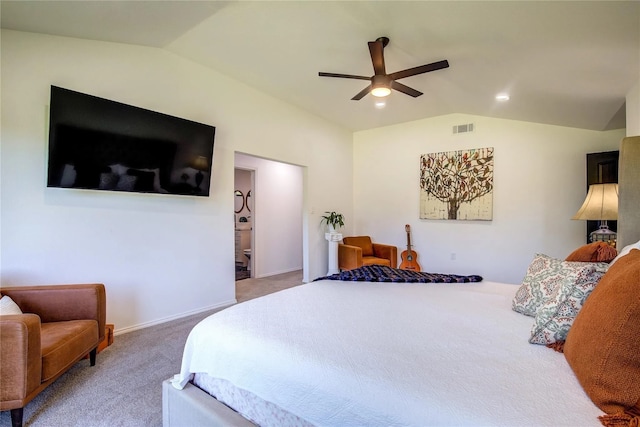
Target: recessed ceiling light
502	97
380	103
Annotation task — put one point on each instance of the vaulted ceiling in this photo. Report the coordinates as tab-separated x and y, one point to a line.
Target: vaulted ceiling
568	63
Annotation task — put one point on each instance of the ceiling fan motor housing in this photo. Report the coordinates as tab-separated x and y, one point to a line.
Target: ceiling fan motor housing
381	80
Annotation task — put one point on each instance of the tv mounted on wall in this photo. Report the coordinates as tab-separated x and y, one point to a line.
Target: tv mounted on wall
99	144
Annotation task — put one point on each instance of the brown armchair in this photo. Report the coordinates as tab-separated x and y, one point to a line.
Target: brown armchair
60	325
357	251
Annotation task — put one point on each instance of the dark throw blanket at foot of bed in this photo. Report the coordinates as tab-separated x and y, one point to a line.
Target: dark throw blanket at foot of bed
381	273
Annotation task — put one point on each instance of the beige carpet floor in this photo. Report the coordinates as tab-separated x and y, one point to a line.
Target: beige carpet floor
125	386
252	288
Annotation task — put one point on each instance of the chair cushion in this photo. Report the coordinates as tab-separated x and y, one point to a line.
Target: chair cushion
63	343
371	260
363	242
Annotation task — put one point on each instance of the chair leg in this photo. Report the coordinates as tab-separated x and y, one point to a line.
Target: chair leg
92	356
16	417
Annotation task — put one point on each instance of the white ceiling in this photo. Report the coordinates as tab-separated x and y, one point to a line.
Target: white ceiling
567	63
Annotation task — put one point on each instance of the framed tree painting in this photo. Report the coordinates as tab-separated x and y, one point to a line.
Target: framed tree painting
457	185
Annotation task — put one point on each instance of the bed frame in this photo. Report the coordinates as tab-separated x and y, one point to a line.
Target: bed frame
194	407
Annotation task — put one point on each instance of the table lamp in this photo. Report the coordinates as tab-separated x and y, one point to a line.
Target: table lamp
601	204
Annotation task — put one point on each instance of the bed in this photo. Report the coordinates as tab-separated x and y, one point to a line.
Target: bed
378	353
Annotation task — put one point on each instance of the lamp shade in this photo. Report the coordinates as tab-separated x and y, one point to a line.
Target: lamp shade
201	163
601	203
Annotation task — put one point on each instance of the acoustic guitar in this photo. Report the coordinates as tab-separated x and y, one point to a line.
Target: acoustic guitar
409	257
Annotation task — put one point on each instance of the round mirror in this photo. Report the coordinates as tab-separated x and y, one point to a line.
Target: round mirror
238	201
249	201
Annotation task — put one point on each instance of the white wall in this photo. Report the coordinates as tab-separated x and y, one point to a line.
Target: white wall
159	256
539	184
277	215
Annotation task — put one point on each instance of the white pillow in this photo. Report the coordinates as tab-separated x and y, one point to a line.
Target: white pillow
68	176
119	169
625	251
7	306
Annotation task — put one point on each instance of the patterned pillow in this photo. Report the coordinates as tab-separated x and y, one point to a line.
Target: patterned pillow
543	276
557	312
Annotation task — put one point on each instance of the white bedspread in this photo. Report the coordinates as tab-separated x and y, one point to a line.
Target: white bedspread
390	354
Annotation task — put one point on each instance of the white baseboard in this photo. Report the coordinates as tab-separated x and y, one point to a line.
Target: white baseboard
174	317
275	273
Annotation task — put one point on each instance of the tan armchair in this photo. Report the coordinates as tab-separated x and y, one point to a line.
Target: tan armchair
60	325
358	251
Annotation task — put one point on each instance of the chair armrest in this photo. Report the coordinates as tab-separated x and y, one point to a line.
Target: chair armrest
387	252
57	303
21	367
349	257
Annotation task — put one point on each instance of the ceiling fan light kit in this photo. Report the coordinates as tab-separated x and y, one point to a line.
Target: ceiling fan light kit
381	82
380	92
380	86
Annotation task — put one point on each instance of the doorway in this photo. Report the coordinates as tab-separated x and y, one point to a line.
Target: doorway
275	215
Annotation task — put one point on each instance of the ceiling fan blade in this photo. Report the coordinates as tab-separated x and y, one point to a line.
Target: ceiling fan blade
419	70
362	93
405	89
376	49
344	76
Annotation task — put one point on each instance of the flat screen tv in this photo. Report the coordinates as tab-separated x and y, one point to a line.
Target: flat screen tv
99	144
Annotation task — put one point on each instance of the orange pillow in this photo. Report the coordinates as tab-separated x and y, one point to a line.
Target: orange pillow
593	252
603	344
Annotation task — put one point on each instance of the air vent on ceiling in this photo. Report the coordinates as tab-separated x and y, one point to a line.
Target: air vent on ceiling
463	128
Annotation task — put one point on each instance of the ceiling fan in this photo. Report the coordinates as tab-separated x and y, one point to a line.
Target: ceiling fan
381	82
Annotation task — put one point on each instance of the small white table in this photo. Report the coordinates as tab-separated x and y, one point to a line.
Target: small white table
333	239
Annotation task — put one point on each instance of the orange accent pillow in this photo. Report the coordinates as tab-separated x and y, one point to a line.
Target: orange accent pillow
363	242
603	344
593	252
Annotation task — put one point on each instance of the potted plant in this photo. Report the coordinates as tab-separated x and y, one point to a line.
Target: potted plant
333	220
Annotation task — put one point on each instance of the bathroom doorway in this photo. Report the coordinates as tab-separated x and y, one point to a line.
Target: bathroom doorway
274	216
